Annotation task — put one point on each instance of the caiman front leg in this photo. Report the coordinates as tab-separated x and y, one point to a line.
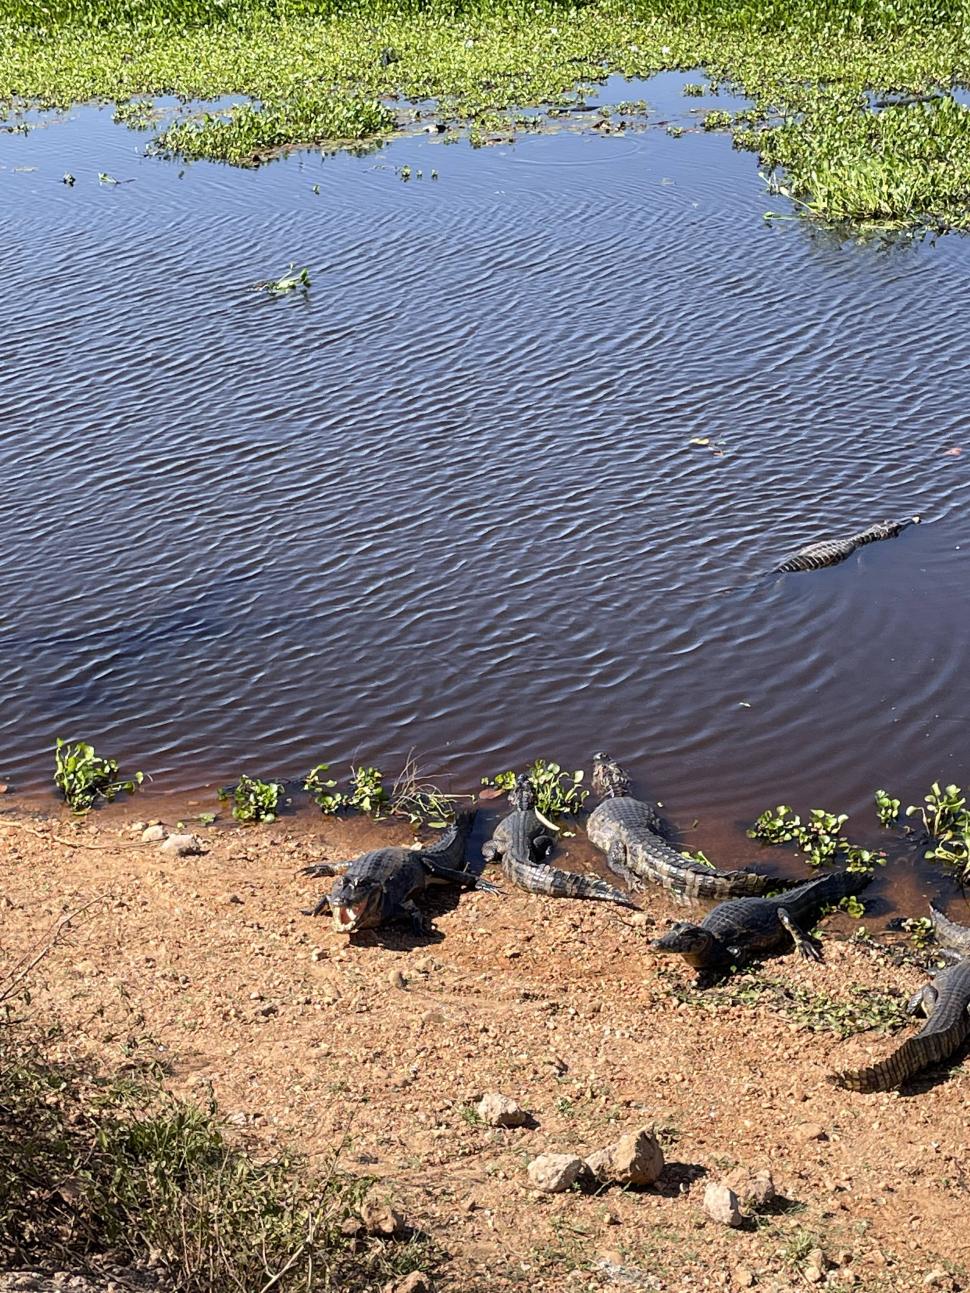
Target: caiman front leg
804	945
324	868
319	909
492	851
419	920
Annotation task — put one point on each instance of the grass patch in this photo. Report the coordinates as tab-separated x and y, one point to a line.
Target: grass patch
852	107
116	1167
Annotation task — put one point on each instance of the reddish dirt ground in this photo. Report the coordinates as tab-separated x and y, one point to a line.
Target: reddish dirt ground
382	1045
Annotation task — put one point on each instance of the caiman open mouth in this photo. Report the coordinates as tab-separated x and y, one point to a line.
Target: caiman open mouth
345	918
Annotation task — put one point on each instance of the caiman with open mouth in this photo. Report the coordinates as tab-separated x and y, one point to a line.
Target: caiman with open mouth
380	886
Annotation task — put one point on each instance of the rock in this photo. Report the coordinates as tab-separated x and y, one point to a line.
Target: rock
806	1131
152	834
416	1282
755	1190
499	1111
721	1205
815	1266
379	1218
744	1278
396	979
936	1279
554	1173
636	1159
182	846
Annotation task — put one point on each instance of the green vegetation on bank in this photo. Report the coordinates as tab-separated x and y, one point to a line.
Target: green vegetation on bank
851	98
95	1165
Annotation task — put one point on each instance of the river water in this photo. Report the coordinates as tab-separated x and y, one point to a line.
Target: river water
454	500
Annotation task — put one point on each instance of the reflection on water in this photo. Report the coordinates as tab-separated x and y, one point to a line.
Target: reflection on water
484	491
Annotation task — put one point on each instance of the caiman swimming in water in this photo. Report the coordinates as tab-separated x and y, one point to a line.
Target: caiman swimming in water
380	886
829	552
630	833
522	841
737	931
945	1001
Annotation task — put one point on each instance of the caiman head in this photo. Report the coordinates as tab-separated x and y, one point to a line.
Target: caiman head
356	902
696	945
608	779
522	796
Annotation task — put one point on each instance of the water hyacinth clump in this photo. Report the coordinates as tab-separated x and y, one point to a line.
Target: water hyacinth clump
852	110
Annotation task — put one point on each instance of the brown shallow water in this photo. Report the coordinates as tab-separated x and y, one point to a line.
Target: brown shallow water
450	501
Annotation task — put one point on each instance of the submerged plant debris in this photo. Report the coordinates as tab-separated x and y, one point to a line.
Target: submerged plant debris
853	112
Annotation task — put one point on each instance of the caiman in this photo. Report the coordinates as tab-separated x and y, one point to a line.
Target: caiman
829	552
630	833
737	931
380	886
522	841
946	1003
953	939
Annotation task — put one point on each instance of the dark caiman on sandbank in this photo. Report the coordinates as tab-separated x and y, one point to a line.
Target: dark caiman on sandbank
630	833
522	841
737	931
380	886
946	1003
829	552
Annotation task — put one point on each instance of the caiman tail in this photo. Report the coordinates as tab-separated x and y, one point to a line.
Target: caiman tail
804	902
450	848
949	934
914	1055
563	884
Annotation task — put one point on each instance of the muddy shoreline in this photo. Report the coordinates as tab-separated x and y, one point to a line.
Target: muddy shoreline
389	1038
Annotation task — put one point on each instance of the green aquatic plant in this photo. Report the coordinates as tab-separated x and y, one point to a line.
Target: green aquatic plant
946	824
692	89
717	119
367	793
83	777
921	931
412	795
820	837
558	792
853	906
850	108
323	790
288	283
887	808
697	855
253	800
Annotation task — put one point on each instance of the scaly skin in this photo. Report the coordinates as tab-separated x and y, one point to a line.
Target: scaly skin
743	928
380	886
629	832
829	552
521	842
954	939
946	1002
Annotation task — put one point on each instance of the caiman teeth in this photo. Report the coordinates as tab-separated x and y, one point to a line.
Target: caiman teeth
345	918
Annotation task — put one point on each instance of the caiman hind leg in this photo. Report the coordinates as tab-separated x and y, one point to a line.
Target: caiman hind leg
923	1000
465	878
492	851
804	945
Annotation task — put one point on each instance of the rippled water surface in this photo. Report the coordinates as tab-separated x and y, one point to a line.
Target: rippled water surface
453	500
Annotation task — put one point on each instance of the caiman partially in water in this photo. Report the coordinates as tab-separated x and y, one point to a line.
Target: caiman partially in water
829	552
522	841
946	1003
737	931
630	833
380	886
